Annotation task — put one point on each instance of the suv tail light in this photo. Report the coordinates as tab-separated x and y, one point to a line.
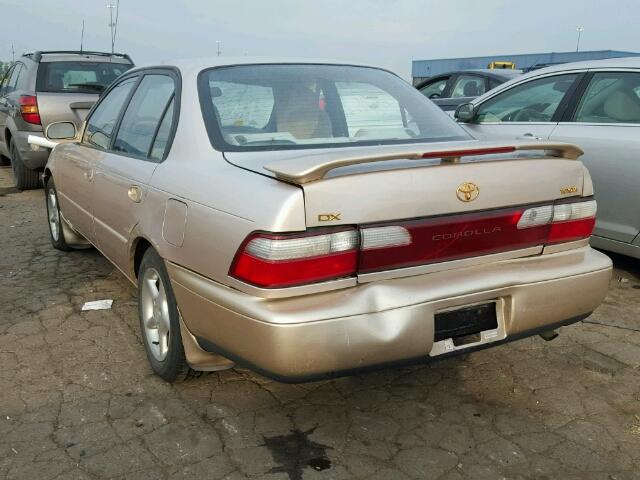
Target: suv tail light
274	261
29	109
284	260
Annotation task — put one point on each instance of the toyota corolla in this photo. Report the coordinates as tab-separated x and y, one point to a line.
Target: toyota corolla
310	219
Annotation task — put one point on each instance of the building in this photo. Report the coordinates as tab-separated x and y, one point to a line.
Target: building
423	69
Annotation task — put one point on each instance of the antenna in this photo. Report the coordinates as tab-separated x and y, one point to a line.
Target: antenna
82	36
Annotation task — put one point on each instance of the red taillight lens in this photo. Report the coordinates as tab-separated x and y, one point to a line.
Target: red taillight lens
275	261
29	109
452	237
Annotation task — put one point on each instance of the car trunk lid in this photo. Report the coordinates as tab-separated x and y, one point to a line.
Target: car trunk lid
395	211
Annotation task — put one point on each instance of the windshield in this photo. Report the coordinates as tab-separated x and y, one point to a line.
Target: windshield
78	77
277	107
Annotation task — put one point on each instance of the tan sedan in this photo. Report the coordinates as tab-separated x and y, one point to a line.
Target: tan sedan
309	219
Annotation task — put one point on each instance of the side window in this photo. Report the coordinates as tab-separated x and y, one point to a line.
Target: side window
493	83
103	119
160	144
5	80
435	89
468	86
611	97
143	115
15	75
368	107
534	101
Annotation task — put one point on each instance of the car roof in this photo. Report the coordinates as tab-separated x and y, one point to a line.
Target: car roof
196	65
70	55
621	62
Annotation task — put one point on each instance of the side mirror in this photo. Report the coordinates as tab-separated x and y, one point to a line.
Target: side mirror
466	113
61	131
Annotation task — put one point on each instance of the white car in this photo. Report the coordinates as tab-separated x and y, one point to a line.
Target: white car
595	105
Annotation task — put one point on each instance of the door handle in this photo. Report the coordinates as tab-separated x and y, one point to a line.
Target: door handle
135	193
531	135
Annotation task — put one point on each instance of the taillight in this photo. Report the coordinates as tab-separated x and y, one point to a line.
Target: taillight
29	109
274	261
565	221
284	260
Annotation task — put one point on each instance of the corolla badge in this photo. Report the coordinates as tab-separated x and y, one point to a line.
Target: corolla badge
467	192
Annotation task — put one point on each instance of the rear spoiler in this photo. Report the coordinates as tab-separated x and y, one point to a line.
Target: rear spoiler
305	169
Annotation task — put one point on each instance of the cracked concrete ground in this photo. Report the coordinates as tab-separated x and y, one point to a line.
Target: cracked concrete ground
78	399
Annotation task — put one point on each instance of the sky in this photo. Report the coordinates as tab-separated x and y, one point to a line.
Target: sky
388	33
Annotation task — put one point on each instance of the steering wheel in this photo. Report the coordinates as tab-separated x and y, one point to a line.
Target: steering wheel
529	115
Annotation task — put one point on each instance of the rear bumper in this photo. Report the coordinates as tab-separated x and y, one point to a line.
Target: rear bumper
385	322
32	156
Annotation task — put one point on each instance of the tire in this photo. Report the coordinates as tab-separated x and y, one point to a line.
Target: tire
158	311
26	179
54	220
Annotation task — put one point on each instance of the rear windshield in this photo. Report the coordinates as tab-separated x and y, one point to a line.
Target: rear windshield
78	77
278	107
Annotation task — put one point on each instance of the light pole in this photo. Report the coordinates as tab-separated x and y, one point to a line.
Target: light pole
113	25
579	30
219	45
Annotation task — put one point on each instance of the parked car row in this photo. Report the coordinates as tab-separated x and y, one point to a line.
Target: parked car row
44	87
313	219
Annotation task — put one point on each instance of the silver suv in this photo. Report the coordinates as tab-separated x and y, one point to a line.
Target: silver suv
44	87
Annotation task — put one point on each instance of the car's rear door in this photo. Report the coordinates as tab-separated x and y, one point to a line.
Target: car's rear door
604	119
123	173
75	170
530	109
4	109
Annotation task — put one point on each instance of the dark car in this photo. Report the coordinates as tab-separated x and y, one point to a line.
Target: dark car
455	88
44	87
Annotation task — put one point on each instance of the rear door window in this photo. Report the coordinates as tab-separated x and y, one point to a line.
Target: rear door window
533	101
143	115
103	120
15	77
5	80
611	97
163	136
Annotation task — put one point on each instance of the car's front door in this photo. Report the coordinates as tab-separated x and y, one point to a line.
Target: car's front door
122	175
605	123
75	171
530	109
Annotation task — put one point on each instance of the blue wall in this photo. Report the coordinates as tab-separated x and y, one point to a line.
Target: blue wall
429	68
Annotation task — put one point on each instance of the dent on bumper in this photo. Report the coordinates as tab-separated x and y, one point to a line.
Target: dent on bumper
384	322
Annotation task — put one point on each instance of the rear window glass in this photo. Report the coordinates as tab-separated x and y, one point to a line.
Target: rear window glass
278	107
78	77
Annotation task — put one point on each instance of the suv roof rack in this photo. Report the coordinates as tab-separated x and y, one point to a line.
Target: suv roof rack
37	55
